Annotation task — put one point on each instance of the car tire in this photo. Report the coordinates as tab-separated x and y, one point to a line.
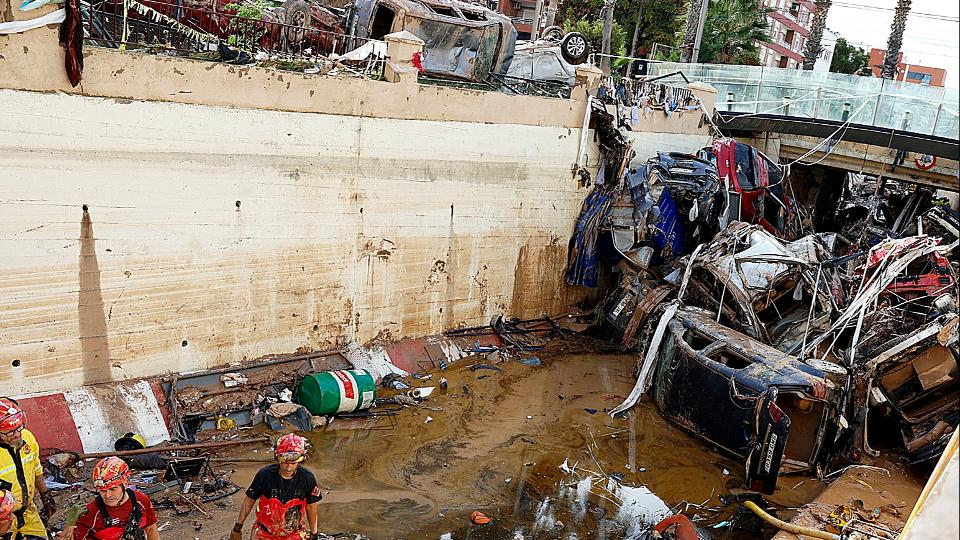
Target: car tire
552	33
575	48
296	18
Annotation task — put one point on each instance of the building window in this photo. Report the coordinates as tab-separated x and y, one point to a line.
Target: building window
784	61
919	78
795	9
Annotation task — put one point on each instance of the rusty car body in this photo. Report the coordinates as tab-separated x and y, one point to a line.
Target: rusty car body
461	40
752	401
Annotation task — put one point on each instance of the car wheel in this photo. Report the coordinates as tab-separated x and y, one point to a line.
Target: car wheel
552	33
296	20
574	48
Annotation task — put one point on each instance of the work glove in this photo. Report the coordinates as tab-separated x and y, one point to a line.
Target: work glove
73	514
49	504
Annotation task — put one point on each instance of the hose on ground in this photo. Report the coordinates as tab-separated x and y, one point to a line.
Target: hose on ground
789	527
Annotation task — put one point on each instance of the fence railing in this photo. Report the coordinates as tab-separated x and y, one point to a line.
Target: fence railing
219	34
828	96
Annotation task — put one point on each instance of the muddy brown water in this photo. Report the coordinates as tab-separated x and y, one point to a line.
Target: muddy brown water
498	445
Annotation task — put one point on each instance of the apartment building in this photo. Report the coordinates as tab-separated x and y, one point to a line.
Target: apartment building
790	23
912	73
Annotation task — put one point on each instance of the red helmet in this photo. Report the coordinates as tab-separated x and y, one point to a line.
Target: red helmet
11	415
110	472
7	505
291	448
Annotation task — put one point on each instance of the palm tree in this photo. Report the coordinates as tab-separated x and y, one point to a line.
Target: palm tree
813	48
889	69
733	32
690	33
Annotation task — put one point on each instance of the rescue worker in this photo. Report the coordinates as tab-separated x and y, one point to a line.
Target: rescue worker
7	505
117	512
22	474
286	496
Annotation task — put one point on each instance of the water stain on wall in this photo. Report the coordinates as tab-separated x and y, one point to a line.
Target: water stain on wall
92	319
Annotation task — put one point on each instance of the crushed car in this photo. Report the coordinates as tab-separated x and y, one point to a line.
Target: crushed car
754	402
461	40
762	288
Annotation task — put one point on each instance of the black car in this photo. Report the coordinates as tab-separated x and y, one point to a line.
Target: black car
752	401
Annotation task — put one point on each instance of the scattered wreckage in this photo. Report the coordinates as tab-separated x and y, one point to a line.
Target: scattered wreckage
462	40
758	335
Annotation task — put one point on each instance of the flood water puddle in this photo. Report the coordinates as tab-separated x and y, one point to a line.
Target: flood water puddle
532	448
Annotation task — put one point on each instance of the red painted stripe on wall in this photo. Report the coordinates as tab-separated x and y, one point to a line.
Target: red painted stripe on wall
50	420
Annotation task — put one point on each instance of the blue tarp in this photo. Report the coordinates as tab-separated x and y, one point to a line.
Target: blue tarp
582	267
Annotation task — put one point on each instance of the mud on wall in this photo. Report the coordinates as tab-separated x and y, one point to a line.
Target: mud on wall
210	235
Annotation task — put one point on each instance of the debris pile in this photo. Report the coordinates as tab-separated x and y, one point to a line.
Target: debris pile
777	343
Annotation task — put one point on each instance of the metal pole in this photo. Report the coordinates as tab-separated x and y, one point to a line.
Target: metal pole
906	120
936	119
786	105
846	111
877	108
730	101
695	57
816	104
759	85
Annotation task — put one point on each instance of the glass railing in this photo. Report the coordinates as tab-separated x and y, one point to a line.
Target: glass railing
927	110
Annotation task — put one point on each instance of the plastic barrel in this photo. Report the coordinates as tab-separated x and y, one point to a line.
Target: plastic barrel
331	392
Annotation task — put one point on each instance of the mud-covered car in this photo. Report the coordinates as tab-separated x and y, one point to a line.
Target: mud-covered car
763	287
754	402
461	40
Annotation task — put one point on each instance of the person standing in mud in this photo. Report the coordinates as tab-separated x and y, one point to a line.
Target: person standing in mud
117	512
286	495
21	474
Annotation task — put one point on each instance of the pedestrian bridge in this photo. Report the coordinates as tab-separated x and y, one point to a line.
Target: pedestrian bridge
855	123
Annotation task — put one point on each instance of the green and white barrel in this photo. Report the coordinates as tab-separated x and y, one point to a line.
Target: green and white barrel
332	392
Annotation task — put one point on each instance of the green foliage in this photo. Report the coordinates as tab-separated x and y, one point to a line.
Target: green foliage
848	59
245	33
659	23
593	31
733	31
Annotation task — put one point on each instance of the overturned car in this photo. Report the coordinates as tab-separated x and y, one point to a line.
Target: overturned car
754	402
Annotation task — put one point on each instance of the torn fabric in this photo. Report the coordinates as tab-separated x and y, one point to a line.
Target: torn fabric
16	27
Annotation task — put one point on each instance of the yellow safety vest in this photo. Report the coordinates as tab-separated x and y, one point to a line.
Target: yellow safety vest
20	470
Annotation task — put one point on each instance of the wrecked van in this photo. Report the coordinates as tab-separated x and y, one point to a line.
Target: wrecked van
754	402
461	40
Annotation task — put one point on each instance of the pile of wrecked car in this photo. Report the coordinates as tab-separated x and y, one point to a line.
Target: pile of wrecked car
775	343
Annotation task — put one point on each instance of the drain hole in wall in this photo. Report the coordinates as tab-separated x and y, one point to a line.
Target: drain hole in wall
15	363
238	205
316	327
84	207
183	343
361	210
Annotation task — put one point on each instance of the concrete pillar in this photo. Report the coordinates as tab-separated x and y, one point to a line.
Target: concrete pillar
587	81
706	93
401	46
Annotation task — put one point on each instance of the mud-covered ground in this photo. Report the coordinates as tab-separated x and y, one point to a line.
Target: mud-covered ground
497	442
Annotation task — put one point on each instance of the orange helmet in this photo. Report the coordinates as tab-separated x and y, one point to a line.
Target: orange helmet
7	505
110	472
12	417
291	448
